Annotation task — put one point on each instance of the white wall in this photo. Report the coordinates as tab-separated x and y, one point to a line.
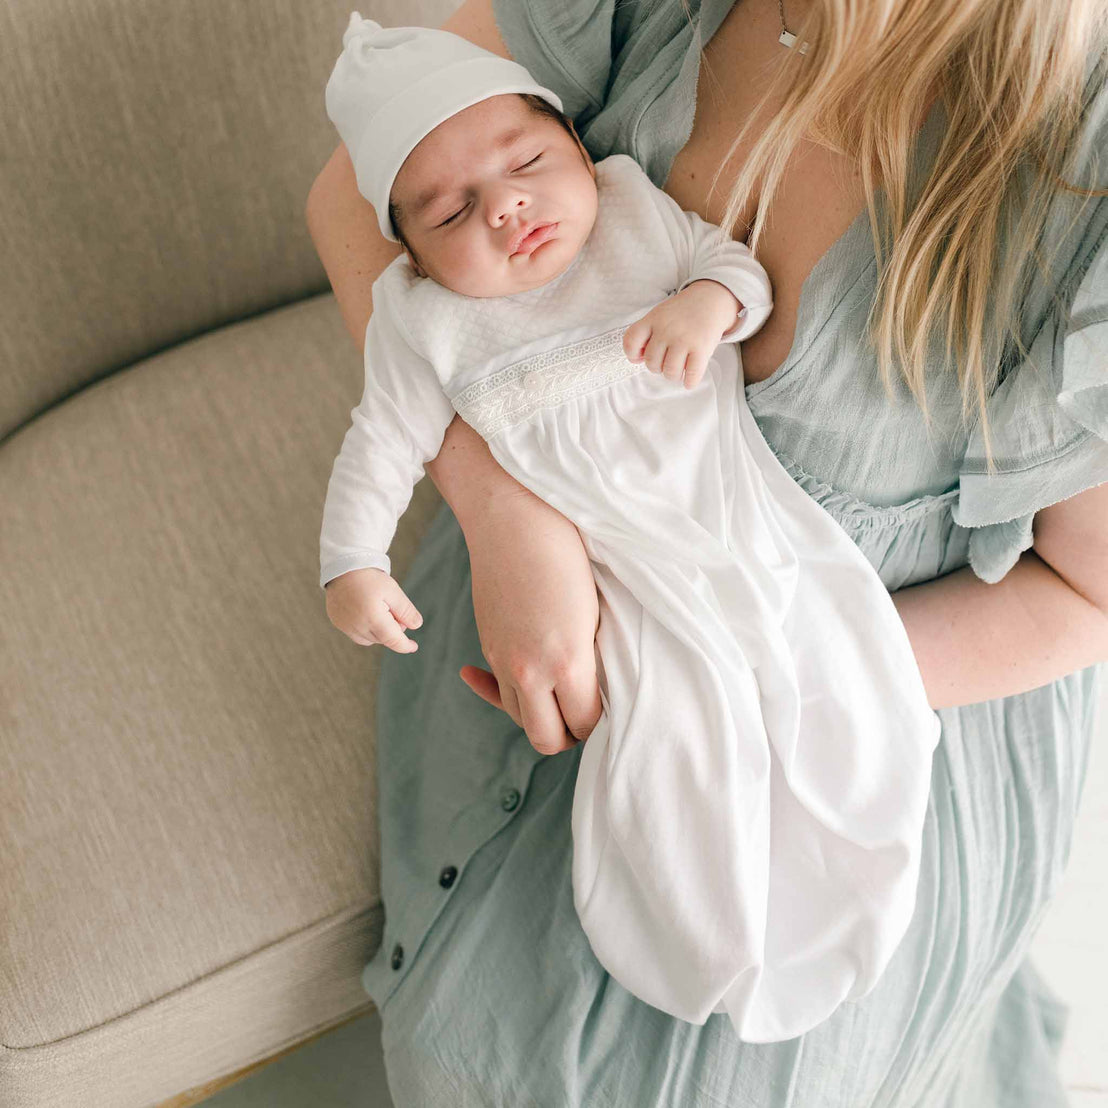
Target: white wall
1071	948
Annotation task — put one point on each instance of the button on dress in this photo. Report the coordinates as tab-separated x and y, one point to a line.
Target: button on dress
496	997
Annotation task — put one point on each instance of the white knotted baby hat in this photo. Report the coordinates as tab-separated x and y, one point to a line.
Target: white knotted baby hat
393	85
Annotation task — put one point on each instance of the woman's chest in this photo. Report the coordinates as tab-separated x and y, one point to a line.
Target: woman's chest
820	195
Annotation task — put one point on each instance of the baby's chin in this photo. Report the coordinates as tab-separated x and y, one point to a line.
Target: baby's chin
524	274
521	273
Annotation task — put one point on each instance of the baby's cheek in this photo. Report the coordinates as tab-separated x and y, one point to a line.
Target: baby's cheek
464	259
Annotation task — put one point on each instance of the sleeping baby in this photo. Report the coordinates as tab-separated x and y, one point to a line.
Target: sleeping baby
748	810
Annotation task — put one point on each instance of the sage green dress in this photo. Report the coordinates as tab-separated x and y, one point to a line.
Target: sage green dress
488	991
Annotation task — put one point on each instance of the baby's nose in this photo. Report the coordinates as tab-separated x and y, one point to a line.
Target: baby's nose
504	202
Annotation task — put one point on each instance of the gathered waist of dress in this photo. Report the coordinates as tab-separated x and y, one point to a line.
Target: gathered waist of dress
544	380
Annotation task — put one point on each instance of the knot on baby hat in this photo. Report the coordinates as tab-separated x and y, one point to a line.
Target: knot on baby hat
391	86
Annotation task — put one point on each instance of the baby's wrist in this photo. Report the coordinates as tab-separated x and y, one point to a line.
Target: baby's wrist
724	302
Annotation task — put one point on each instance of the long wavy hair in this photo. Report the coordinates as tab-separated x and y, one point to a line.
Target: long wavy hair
1011	75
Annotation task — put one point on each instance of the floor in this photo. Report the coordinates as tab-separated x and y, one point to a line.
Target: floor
344	1069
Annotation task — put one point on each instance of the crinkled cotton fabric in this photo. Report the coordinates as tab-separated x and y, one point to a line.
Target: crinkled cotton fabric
488	990
748	809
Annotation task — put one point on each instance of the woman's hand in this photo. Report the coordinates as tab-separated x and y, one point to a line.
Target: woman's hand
535	600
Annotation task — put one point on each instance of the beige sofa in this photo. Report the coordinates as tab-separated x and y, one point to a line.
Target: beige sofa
188	835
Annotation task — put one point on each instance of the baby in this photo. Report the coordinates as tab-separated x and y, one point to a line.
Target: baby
748	810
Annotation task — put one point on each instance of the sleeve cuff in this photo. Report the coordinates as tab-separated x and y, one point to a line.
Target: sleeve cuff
362	559
750	292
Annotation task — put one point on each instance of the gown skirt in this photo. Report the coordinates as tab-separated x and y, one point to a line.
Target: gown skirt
491	993
749	808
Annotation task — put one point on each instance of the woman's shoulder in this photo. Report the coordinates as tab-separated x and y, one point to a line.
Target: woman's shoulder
1076	222
1048	416
625	72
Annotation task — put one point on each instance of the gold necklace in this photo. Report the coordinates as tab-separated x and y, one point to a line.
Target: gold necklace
787	38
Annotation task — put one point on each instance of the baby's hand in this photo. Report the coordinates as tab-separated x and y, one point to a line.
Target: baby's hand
677	337
370	607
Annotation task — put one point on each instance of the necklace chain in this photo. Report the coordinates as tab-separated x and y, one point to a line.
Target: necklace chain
787	38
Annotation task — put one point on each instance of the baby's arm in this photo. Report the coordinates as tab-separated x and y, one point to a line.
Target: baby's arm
724	295
397	427
706	253
718	257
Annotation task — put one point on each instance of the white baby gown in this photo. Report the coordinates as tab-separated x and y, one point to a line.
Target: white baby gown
748	810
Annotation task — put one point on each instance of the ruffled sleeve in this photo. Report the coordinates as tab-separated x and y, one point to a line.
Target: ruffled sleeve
1049	427
1048	417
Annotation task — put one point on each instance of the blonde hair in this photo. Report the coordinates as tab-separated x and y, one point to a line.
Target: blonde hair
1010	74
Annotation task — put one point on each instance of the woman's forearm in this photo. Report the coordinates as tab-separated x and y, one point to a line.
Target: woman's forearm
975	641
343	228
469	478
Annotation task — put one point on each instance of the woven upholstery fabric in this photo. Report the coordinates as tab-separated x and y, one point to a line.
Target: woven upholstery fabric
187	776
188	829
155	159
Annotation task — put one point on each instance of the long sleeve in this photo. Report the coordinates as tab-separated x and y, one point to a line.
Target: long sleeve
705	252
397	427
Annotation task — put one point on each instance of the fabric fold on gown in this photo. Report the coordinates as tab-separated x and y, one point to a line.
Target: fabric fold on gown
748	811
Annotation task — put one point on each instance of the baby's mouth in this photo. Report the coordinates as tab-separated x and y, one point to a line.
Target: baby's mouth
535	238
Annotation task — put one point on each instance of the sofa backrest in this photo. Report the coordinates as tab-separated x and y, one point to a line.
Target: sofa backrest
155	159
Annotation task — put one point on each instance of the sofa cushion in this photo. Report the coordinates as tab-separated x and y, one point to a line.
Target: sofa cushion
187	780
155	159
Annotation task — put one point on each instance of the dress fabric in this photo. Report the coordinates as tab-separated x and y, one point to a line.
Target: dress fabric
488	989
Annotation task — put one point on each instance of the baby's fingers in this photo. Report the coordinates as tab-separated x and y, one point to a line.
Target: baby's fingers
385	629
393	615
673	363
635	339
696	367
402	608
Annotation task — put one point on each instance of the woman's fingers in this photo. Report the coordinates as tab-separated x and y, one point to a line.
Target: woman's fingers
486	686
578	696
483	684
542	720
539	711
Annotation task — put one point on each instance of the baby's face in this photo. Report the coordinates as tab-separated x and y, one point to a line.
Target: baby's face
468	237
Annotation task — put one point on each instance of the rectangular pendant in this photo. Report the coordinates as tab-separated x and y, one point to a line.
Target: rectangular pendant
787	38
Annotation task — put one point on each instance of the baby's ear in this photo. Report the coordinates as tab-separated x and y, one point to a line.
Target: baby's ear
581	146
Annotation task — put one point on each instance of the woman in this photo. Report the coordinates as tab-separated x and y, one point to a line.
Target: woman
991	534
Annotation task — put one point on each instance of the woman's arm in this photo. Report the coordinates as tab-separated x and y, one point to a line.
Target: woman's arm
975	641
534	593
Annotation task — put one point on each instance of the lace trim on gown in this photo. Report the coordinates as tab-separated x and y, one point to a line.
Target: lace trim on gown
545	380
